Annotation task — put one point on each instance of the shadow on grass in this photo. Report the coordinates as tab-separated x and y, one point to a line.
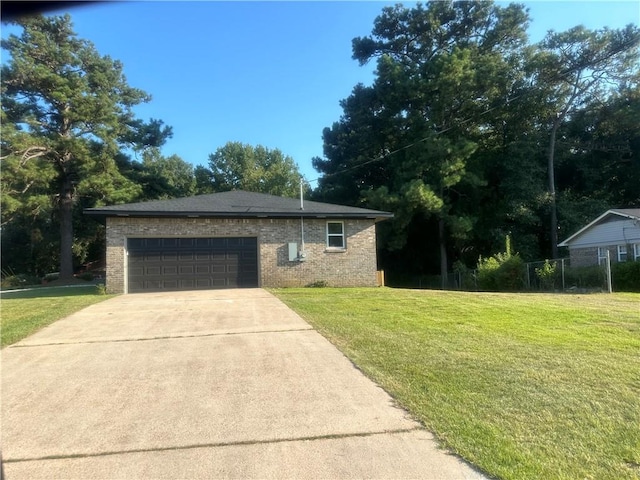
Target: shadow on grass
42	292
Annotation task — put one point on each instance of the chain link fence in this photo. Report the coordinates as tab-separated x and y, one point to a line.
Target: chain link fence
542	276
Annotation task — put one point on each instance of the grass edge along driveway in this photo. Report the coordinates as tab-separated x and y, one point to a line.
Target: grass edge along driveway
524	386
25	312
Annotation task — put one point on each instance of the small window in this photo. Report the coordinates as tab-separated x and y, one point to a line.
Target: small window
602	255
622	253
636	251
335	235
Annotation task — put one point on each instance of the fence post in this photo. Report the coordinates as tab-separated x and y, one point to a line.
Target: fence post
563	287
608	266
528	277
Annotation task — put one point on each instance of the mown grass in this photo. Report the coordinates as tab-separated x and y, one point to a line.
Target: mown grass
525	386
26	312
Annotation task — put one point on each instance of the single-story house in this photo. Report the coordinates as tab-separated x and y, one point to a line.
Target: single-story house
616	231
237	239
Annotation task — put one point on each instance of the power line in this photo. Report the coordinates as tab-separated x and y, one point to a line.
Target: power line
417	142
560	75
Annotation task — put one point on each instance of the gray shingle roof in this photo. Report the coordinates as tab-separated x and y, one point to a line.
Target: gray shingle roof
237	203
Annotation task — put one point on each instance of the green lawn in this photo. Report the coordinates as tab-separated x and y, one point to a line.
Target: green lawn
525	386
26	312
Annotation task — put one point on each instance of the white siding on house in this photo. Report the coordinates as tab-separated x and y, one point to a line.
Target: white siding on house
613	232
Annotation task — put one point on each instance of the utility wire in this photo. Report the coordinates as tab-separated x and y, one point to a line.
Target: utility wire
564	74
422	140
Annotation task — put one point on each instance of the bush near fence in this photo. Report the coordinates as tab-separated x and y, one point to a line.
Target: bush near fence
515	275
625	276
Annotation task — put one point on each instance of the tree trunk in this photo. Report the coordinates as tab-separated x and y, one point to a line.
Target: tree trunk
553	227
443	253
66	230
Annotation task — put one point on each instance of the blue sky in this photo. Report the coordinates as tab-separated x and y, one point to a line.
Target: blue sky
264	73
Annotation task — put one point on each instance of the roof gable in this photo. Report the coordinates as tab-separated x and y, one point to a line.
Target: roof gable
609	215
236	203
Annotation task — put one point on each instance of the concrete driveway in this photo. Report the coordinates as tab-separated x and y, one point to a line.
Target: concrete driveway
204	384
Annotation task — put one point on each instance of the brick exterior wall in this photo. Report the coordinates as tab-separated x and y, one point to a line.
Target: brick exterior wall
583	257
586	257
354	267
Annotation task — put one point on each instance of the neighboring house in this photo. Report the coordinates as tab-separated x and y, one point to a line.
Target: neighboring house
615	231
237	239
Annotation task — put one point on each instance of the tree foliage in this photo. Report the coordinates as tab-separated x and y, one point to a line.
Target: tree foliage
160	177
407	141
457	131
237	166
574	68
67	114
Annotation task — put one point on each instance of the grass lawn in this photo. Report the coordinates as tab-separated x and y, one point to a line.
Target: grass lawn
26	312
525	386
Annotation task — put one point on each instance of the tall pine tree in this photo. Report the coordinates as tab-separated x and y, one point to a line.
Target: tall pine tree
67	113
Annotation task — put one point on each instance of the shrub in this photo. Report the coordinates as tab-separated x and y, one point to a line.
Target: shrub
19	280
487	273
50	277
502	271
625	276
547	275
511	274
318	284
88	276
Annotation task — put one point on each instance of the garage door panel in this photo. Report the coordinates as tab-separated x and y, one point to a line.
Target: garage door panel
169	270
186	269
153	242
170	284
136	270
203	269
153	270
185	242
157	264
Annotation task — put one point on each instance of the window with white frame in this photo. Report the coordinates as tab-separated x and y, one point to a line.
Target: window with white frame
602	255
636	251
622	253
335	235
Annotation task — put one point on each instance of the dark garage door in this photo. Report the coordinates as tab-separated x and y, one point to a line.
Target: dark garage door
159	264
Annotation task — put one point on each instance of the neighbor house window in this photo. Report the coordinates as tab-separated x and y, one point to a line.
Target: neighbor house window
335	235
636	251
622	253
602	255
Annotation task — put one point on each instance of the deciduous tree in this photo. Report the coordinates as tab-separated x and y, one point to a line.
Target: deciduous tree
237	166
575	67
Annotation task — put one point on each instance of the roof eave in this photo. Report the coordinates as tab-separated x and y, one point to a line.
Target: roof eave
565	243
102	214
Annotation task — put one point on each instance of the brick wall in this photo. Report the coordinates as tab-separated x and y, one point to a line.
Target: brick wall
583	257
354	266
586	257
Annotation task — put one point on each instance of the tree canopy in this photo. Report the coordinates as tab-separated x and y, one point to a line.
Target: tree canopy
457	133
468	133
237	166
573	68
66	114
